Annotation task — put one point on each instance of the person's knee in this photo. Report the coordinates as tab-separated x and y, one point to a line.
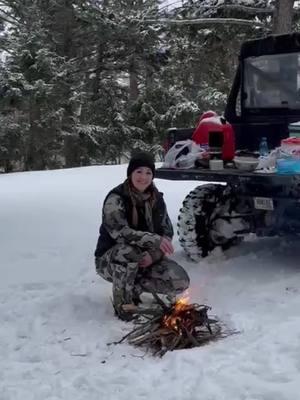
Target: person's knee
179	277
124	254
180	285
103	268
97	263
169	277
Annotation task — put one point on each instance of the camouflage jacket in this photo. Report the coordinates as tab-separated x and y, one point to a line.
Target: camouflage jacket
116	225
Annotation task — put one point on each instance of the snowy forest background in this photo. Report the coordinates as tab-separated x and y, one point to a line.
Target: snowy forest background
84	82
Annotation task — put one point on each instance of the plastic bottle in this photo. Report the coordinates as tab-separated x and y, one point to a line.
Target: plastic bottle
263	147
205	146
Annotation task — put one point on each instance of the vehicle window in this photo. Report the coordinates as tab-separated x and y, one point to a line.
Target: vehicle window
272	81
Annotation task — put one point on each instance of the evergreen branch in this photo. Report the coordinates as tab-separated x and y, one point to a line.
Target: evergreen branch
196	7
13	5
3	48
111	67
224	7
9	15
246	9
9	21
203	21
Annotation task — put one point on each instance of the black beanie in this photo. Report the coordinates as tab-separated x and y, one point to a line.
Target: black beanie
141	159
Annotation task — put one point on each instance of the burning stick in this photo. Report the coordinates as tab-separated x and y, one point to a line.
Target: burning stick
167	327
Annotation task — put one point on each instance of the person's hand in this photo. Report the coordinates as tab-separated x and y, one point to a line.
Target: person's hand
166	246
146	261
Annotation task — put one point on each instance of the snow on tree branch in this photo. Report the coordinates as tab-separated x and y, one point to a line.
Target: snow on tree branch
204	21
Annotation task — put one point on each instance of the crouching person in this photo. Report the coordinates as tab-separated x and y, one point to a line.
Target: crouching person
135	239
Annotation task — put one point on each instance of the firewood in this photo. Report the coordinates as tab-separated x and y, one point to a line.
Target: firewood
142	338
191	338
158	300
167	327
175	342
153	310
140	331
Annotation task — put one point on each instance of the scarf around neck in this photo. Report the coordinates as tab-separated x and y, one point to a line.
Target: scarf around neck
143	200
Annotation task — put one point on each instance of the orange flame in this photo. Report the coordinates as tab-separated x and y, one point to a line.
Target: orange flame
181	303
171	321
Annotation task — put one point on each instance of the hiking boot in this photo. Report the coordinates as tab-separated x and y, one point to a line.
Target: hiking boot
125	314
136	299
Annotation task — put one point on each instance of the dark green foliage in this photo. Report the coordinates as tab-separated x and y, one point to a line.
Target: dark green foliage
86	81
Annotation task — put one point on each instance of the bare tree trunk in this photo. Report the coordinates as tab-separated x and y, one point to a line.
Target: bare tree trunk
283	16
34	159
99	59
133	81
99	70
65	22
133	68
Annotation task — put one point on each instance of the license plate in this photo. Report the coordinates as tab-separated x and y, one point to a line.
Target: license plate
263	203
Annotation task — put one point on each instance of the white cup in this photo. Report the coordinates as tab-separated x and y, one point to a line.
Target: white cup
216	165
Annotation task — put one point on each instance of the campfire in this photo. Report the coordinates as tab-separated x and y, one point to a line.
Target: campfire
167	327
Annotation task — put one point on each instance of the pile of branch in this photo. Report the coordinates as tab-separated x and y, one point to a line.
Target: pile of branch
164	327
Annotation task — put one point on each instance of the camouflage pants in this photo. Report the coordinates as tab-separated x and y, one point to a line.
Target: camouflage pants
119	265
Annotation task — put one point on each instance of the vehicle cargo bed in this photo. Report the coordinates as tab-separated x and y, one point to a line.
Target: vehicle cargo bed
229	175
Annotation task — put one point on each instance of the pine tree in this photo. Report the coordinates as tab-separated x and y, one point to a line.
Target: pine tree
86	81
38	80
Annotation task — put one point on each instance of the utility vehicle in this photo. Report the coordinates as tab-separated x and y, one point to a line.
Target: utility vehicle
263	101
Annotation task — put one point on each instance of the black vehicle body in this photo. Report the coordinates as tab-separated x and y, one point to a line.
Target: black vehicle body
263	101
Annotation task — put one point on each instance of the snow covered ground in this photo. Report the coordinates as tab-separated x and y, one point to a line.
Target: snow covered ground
56	317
